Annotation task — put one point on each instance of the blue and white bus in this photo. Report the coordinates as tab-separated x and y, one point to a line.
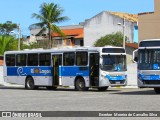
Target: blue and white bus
79	67
52	68
148	60
113	66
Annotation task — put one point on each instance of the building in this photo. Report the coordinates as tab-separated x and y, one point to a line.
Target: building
130	47
1	60
110	22
74	35
85	34
149	23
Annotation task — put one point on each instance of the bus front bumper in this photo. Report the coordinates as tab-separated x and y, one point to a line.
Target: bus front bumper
112	83
118	83
148	83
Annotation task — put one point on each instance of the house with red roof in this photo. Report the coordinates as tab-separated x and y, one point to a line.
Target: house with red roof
74	36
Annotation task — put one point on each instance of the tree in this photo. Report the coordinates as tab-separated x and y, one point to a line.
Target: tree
115	39
7	43
32	45
6	28
49	15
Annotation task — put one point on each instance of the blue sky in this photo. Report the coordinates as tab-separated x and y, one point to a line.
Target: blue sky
20	11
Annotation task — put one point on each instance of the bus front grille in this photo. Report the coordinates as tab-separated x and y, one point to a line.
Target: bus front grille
149	82
117	82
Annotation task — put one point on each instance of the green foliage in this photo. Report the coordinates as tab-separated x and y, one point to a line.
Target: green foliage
6	28
32	45
49	15
7	43
115	39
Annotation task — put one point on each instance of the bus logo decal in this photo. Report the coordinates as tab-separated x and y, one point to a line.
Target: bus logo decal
40	71
20	71
36	70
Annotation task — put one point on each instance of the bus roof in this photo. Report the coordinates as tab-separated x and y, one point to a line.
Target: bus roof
150	43
70	49
52	50
111	49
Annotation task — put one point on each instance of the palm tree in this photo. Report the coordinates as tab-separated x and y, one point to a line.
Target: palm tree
49	15
7	43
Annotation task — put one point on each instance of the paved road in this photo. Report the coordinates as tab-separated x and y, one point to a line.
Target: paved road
114	99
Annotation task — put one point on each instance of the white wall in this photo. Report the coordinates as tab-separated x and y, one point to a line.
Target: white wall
132	74
105	23
1	75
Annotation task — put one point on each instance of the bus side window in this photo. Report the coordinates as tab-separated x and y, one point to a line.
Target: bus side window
81	58
32	59
10	60
69	59
21	60
45	59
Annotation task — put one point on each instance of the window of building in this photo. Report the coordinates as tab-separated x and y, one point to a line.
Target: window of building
45	59
32	60
68	59
10	60
81	58
21	60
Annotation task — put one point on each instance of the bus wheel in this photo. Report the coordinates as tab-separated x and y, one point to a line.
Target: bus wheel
80	85
157	90
30	83
102	88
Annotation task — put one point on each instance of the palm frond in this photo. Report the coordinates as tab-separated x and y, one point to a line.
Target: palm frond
7	43
50	14
37	25
40	17
57	30
62	19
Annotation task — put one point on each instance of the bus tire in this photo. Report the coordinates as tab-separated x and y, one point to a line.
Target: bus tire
30	83
80	85
157	90
102	88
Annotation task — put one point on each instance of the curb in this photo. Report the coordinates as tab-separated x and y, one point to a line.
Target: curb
125	87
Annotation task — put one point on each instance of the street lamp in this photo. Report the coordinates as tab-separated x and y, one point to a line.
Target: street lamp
123	31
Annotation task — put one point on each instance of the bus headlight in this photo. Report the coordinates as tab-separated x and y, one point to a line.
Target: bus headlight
139	76
124	77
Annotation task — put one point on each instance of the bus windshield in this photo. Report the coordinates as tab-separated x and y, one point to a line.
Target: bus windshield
113	63
149	59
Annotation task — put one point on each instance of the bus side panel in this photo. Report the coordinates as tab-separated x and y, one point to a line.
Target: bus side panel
43	80
41	75
11	76
5	73
69	74
13	79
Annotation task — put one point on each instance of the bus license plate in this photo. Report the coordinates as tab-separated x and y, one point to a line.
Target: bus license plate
117	82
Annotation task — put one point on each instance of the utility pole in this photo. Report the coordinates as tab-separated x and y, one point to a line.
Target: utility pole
19	35
124	33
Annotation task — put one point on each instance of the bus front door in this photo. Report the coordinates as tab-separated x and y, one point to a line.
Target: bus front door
57	62
94	69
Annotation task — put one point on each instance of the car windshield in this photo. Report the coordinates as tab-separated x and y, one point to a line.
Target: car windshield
149	59
113	63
